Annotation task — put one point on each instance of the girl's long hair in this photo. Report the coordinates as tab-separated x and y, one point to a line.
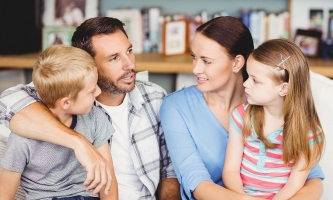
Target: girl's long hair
300	115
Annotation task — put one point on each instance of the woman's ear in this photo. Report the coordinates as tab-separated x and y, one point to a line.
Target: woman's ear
239	63
64	103
283	89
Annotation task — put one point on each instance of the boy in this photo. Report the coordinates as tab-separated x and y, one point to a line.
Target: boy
65	77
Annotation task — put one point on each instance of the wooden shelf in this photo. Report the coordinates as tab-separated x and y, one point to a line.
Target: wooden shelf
154	63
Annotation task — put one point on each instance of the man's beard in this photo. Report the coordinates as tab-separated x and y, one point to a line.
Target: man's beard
111	87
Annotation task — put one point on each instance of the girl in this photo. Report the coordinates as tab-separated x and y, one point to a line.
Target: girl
275	137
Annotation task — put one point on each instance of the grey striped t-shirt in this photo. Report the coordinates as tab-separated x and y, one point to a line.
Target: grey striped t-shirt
50	170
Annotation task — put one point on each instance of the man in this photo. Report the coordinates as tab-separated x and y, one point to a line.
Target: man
142	164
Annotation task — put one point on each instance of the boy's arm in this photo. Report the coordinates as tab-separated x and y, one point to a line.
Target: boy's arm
231	171
9	182
104	150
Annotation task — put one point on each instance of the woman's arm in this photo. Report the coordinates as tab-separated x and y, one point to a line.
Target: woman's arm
207	190
312	190
231	171
9	182
104	150
295	181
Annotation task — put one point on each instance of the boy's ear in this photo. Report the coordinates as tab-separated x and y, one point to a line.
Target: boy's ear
239	63
64	103
283	89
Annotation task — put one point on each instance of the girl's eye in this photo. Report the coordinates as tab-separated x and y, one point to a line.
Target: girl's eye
207	62
255	81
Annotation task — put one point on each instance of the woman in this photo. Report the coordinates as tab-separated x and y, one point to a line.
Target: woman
196	119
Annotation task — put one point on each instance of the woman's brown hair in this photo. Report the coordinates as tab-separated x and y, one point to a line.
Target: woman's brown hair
300	115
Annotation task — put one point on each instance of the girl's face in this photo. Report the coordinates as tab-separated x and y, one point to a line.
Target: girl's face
259	88
211	64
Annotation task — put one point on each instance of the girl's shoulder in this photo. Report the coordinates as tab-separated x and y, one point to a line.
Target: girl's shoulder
242	108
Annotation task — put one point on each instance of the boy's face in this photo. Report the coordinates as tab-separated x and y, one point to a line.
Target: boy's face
115	62
86	97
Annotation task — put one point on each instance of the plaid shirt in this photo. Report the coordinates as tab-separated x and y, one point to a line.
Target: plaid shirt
148	147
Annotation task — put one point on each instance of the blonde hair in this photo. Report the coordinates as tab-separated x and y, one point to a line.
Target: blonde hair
59	72
299	110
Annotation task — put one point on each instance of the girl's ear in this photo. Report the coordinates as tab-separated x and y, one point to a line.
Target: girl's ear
283	89
239	63
64	103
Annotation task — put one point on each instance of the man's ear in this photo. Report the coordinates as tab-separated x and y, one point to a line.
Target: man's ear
283	89
64	103
239	63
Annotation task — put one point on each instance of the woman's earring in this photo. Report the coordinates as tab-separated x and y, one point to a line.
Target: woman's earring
234	70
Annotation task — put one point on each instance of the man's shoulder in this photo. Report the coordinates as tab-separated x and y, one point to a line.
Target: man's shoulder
149	87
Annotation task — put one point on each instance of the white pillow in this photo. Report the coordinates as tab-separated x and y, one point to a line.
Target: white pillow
322	90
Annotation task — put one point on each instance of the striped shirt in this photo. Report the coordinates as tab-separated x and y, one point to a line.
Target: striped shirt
263	171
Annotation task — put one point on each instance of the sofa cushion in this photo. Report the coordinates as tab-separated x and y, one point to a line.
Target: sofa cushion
322	90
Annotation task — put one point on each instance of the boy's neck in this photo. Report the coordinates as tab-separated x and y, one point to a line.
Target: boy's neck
63	117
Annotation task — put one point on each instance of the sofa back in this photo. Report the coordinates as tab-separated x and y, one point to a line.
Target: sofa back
322	90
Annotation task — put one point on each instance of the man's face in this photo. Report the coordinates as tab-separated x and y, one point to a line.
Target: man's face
115	62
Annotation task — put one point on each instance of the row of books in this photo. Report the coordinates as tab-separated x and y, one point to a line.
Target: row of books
264	26
147	27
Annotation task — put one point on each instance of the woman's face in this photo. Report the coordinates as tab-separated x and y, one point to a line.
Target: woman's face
211	64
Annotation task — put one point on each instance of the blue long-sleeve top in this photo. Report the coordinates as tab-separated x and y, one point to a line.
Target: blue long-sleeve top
196	140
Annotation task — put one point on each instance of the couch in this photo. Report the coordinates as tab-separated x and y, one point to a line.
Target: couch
322	89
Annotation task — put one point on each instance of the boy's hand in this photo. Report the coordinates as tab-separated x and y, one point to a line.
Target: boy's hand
98	169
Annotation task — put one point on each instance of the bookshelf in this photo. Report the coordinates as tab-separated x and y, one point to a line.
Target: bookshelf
154	63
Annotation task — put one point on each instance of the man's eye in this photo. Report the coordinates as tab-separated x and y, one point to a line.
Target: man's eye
113	58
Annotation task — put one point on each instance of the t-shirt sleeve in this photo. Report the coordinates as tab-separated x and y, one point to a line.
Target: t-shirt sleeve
237	117
103	127
15	99
316	172
311	137
17	153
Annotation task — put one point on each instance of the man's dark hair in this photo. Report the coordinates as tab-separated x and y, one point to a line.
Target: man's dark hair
95	26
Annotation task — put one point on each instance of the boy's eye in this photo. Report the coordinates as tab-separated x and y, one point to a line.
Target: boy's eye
255	81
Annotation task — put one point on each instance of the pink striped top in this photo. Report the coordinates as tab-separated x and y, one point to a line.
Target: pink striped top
263	171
